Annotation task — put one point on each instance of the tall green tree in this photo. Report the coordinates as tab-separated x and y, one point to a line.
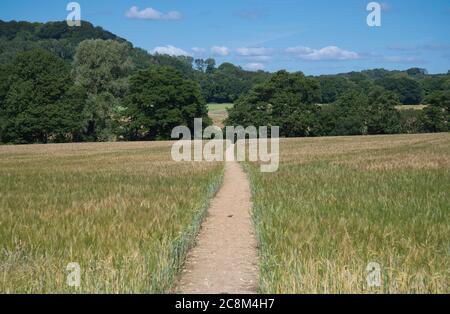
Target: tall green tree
228	82
434	119
102	68
362	113
382	115
159	100
286	100
31	111
408	90
349	114
210	65
334	86
437	115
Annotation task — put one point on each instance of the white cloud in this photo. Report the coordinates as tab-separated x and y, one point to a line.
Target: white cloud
220	51
151	14
255	55
254	66
170	50
198	50
252	52
327	53
258	58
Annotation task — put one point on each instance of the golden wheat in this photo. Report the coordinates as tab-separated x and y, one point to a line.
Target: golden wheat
338	204
124	211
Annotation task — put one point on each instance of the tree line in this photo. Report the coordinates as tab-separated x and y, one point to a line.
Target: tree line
292	102
101	97
72	84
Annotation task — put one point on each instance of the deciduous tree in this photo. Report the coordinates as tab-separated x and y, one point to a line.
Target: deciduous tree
102	68
161	99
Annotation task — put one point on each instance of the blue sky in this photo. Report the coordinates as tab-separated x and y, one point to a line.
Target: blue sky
313	36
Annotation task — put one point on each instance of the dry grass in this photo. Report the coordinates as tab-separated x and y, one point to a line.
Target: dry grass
124	211
337	204
409	107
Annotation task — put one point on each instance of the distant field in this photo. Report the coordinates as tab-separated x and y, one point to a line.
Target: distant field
338	204
414	107
218	113
400	107
124	211
215	107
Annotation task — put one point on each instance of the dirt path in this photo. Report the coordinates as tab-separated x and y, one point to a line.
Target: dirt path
225	258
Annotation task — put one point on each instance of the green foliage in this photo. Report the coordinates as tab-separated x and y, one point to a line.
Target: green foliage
437	115
182	63
408	90
55	37
31	110
416	72
334	86
4	82
382	116
286	100
289	101
226	83
363	80
141	58
348	116
433	83
440	99
39	103
358	113
411	121
434	119
210	65
102	68
159	100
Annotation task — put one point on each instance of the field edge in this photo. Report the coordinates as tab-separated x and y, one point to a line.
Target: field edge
186	241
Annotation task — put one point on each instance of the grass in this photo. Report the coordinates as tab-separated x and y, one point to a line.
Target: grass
218	113
337	204
399	107
409	107
215	107
124	211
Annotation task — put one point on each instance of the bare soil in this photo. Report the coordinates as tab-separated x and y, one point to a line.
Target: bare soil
225	258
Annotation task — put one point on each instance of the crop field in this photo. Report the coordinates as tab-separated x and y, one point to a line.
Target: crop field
336	205
128	214
411	107
218	113
125	212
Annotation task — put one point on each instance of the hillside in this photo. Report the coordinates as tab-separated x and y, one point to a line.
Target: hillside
223	83
75	84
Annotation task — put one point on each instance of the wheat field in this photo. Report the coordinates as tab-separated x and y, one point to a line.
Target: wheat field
338	204
125	212
128	215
